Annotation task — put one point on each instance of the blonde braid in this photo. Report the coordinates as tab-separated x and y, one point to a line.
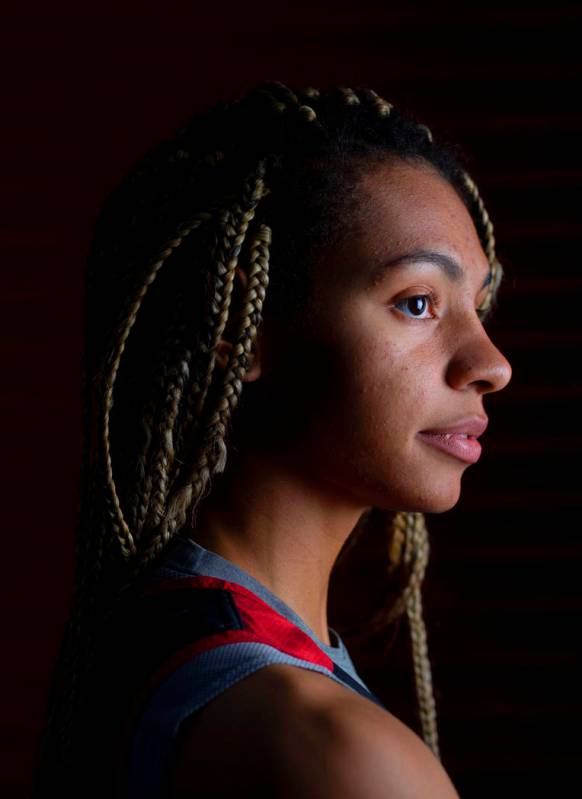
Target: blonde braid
349	95
212	450
409	545
282	100
138	512
164	461
244	337
308	92
218	312
488	242
171	380
416	552
144	478
172	434
195	394
220	255
382	106
119	524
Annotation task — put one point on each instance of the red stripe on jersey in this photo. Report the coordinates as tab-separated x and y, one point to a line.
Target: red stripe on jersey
262	623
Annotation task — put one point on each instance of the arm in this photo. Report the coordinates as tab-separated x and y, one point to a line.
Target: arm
354	750
291	733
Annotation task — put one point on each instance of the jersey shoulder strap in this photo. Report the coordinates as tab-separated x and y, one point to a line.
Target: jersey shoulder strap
183	641
185	617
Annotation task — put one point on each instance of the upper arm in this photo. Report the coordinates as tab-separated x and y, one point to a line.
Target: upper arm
292	732
356	750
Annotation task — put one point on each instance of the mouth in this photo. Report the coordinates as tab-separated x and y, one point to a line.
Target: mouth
462	446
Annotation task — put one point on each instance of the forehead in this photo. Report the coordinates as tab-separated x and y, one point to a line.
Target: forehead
405	207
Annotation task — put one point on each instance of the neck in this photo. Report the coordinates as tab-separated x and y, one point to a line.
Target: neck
281	528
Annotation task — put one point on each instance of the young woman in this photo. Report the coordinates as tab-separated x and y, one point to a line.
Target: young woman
285	309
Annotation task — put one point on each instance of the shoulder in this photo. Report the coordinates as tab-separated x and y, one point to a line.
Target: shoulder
295	732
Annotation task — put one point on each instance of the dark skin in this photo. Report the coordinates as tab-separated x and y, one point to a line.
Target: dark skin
341	396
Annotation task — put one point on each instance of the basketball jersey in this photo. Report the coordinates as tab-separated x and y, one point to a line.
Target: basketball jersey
197	625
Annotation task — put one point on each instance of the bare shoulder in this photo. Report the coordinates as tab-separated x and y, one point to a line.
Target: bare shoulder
289	732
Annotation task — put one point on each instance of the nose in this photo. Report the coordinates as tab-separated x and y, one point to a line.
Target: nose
477	363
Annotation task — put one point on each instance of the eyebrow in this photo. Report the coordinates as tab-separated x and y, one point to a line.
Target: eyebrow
452	269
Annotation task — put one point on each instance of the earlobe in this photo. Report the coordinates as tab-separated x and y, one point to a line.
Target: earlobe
255	359
223	352
254	370
224	347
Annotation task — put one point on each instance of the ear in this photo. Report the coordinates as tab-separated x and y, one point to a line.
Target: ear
224	346
223	350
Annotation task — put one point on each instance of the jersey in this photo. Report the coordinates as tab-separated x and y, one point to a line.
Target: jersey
195	626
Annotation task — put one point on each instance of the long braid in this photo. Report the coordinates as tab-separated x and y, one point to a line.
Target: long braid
485	228
138	511
119	525
243	338
159	473
93	554
163	465
218	310
415	556
212	456
170	375
173	381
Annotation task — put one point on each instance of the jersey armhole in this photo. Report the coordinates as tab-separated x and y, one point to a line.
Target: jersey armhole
189	688
206	634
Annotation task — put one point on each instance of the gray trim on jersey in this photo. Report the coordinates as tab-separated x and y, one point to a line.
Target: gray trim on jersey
189	688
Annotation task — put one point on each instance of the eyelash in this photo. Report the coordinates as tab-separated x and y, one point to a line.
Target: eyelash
434	300
432	297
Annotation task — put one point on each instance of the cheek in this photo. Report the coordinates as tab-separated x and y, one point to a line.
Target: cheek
387	390
359	390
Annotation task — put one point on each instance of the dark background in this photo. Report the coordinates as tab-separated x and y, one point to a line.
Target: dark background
85	93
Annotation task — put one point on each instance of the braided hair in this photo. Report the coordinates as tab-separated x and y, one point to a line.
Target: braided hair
264	183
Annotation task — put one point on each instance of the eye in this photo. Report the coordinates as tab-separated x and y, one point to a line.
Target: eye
415	306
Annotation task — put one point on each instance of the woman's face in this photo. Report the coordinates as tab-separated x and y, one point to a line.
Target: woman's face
346	396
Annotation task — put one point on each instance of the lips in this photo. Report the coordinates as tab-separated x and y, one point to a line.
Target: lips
458	439
473	426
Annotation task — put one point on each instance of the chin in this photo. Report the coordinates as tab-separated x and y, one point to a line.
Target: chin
408	486
439	506
435	499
